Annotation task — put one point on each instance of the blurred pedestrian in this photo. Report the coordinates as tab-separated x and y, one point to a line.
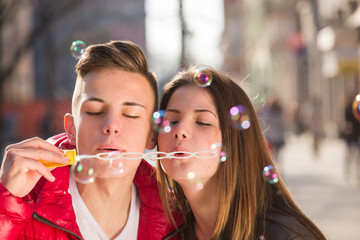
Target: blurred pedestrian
350	132
274	129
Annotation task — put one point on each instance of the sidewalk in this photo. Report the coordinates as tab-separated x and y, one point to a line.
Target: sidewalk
318	185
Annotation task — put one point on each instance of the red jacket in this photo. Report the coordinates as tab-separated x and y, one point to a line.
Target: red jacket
47	211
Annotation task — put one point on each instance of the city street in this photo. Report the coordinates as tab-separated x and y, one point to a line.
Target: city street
319	187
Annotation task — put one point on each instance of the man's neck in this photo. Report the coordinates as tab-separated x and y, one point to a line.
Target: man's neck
108	201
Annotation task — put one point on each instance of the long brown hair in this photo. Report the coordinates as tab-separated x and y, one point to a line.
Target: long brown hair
245	197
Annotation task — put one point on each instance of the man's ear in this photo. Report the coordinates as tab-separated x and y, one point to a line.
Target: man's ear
152	141
69	127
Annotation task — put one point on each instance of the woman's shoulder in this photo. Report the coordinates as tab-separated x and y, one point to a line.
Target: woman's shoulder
280	226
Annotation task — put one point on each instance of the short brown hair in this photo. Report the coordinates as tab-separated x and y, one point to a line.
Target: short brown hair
123	55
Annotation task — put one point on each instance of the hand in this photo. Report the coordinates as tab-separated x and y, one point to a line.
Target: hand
21	169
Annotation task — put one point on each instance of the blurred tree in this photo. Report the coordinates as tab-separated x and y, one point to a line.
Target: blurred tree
47	13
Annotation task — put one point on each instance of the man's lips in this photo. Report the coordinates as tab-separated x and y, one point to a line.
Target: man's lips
110	148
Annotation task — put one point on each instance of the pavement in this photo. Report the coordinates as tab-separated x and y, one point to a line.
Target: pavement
320	186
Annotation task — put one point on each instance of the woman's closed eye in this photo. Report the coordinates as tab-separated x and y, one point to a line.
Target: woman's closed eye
130	116
203	123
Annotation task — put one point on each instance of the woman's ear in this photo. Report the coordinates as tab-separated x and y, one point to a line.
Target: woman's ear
69	127
152	141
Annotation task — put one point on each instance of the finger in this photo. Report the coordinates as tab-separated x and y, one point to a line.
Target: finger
35	142
36	166
37	154
24	168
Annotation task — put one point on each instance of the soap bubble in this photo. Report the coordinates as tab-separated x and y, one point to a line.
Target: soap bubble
160	124
239	117
203	77
197	182
356	107
77	48
223	153
85	170
269	174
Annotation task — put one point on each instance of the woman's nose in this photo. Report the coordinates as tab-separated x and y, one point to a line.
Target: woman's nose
181	133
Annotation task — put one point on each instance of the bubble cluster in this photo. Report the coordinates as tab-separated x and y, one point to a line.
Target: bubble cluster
223	153
356	107
77	48
198	182
159	123
203	77
239	117
269	175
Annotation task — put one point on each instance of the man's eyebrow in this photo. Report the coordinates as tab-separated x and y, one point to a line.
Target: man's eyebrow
196	111
95	99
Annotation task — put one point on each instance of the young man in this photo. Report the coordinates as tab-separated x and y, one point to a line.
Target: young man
113	101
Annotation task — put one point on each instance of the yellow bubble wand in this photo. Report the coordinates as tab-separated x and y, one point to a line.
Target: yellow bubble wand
69	154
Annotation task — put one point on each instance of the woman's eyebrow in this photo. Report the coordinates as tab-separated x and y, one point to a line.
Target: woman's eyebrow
196	111
173	110
204	110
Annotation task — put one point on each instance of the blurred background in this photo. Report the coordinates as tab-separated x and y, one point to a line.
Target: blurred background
297	59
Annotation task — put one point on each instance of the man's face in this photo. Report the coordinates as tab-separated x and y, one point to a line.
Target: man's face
113	113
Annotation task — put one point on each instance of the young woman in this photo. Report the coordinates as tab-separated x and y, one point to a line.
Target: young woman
226	199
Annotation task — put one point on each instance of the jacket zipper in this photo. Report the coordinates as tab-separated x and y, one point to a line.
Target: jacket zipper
44	220
174	232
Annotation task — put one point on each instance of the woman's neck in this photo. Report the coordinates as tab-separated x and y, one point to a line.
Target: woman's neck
205	206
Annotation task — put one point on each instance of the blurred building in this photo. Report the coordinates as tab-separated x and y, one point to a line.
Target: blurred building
297	49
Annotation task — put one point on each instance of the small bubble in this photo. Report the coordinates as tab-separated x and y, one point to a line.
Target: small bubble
160	124
77	48
269	175
261	237
203	77
199	184
191	175
239	117
356	107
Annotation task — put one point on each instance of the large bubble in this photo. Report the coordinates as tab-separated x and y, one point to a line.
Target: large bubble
85	170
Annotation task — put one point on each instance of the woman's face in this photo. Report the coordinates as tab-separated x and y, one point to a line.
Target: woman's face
194	127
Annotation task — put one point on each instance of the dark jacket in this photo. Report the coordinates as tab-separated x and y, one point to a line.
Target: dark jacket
283	227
